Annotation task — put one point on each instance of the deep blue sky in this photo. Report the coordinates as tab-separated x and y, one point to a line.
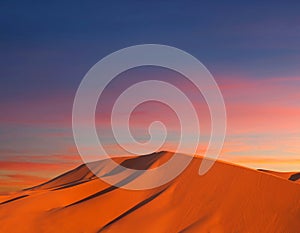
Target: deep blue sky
48	47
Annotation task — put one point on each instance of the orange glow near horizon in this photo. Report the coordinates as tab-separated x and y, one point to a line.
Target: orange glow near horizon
263	131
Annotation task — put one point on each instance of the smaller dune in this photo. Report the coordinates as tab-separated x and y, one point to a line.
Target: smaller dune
292	176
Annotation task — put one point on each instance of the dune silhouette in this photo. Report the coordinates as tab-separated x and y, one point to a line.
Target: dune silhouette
229	198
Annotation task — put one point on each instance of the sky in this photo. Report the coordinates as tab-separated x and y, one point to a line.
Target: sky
252	48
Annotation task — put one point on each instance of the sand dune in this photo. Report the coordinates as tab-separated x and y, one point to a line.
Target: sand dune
228	198
292	176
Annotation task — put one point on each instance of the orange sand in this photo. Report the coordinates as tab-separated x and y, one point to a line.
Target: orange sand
227	199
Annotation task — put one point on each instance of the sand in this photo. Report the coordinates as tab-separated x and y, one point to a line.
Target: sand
228	198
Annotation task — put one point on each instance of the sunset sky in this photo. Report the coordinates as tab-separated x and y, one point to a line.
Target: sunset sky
252	50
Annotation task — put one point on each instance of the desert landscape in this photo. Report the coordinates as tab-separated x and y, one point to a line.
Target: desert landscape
198	101
229	198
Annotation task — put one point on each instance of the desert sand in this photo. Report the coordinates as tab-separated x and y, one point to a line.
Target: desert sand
229	199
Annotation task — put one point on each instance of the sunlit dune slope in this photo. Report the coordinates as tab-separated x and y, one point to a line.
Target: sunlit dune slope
228	198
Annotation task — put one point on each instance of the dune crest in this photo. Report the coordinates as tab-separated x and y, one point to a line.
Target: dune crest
228	198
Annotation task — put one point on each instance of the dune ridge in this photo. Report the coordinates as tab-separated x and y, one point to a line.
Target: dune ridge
228	198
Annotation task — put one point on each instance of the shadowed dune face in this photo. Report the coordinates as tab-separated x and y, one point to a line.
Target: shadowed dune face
228	198
83	174
295	177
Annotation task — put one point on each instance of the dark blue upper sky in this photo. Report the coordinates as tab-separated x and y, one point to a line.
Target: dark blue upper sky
47	47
